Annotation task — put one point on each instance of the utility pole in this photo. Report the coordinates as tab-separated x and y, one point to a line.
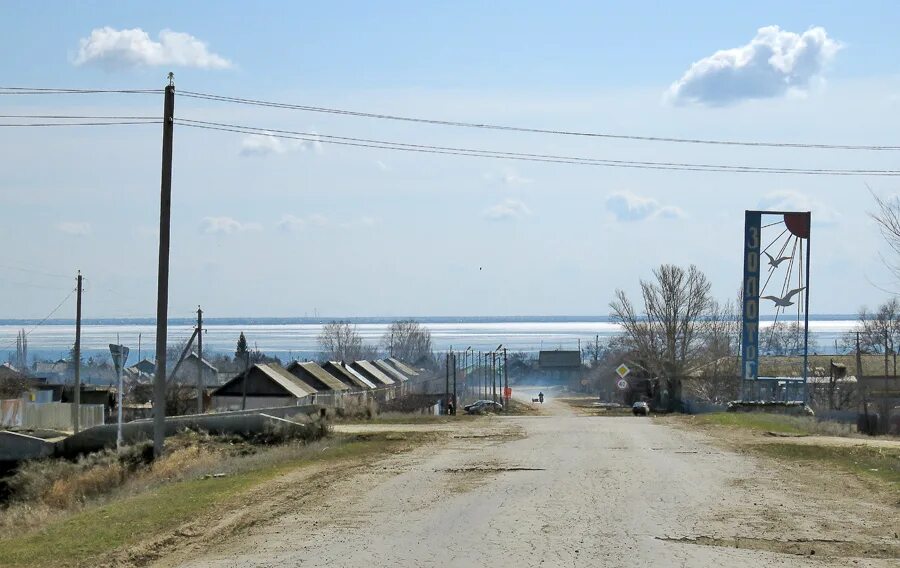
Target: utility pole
447	380
76	399
244	382
454	383
200	387
494	376
506	380
162	284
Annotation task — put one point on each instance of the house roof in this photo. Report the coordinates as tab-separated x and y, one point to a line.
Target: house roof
145	366
318	374
390	371
207	364
8	372
559	359
348	375
372	372
402	367
278	375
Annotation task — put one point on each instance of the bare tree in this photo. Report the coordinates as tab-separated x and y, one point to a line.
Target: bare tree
887	217
782	339
666	334
339	341
409	341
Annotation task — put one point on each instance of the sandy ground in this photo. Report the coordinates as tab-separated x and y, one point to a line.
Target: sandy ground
562	489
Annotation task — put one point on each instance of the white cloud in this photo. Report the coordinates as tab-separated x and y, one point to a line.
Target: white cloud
788	200
507	209
627	206
269	144
773	64
116	49
226	226
78	229
262	145
292	223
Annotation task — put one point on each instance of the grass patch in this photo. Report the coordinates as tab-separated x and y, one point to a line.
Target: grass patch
100	529
874	461
778	423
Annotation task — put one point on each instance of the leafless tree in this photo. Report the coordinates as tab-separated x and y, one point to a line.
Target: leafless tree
339	341
666	334
887	217
783	338
409	341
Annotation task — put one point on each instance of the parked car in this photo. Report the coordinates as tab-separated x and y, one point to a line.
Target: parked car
482	406
640	409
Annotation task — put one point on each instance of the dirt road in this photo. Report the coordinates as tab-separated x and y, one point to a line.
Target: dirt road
566	490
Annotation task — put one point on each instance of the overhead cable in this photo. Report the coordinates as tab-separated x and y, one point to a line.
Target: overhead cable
424	148
510	128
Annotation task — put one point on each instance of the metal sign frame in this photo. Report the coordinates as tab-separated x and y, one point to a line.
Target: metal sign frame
799	224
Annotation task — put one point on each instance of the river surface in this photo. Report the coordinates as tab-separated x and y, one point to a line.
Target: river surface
297	338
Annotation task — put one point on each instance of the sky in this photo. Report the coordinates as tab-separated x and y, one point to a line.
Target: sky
263	226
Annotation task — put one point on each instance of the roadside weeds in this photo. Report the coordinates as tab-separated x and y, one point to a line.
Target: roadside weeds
155	512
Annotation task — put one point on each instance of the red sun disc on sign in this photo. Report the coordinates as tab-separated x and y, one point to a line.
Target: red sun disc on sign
798	224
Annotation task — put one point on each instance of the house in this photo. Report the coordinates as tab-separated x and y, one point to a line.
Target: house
402	367
348	376
316	377
145	367
265	385
390	371
560	366
187	372
57	370
372	373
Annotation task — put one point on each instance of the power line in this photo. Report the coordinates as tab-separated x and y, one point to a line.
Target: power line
48	316
52	124
79	117
64	91
387	145
487	126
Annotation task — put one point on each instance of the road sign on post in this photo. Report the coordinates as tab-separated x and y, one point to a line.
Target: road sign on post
119	356
622	370
622	384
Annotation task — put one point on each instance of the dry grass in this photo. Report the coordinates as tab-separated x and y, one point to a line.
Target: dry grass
43	490
98	531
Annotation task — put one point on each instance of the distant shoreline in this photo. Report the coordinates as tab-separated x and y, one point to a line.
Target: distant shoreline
363	320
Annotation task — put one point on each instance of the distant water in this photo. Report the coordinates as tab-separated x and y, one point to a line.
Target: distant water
297	337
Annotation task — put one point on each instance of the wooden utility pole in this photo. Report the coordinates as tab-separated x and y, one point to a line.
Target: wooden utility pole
447	382
76	398
200	387
506	381
162	284
454	383
494	376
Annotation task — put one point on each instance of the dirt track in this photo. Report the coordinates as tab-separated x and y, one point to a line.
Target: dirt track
567	490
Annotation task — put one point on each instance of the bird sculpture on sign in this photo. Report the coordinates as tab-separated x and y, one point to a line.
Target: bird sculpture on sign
786	300
774	262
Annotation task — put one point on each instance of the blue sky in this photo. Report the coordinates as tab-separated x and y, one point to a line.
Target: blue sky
267	227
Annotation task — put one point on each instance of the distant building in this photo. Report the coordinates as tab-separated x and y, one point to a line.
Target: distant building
187	372
144	366
390	371
316	377
265	385
372	373
560	366
348	376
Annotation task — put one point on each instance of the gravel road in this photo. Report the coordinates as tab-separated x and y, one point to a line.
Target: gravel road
567	490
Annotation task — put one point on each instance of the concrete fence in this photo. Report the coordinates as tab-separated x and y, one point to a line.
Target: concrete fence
50	416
